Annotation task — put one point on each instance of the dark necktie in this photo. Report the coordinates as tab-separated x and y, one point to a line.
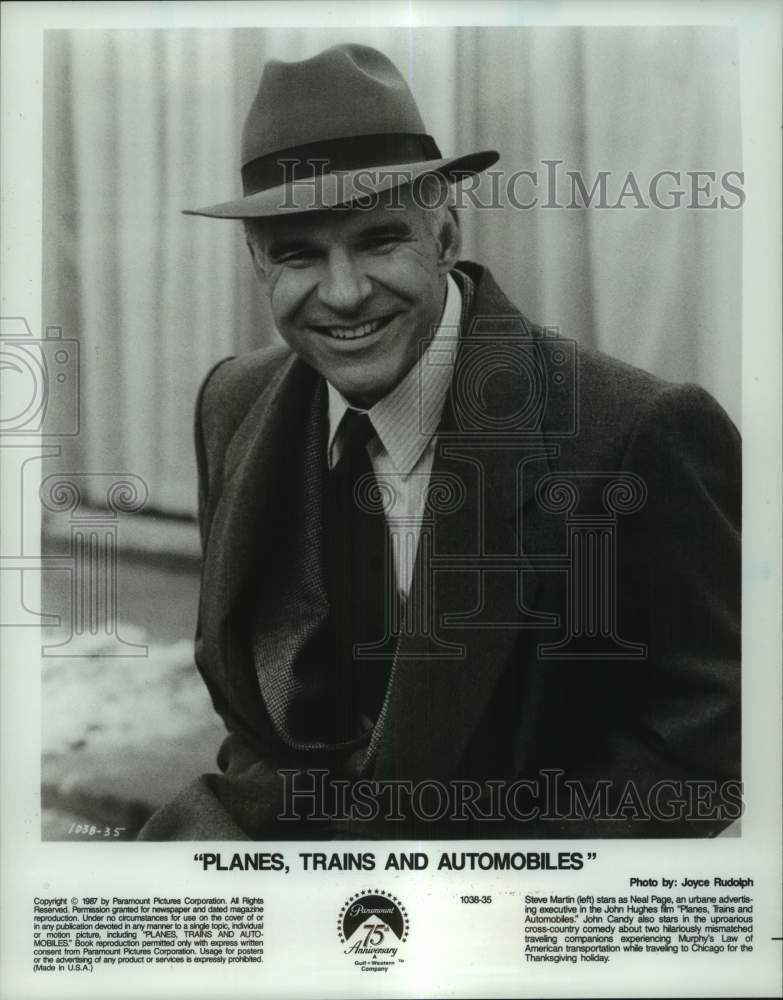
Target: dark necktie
363	585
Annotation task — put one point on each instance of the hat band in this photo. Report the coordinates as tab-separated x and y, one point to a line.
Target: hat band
298	163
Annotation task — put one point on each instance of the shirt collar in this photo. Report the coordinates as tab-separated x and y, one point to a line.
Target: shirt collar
406	419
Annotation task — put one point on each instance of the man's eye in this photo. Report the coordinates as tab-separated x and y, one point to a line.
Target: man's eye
298	258
382	244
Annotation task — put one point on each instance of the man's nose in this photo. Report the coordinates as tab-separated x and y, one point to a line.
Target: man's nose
343	286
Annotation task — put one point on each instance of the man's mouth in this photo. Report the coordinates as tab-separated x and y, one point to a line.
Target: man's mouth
356	332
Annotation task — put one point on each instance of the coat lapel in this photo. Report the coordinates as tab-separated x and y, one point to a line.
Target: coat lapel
265	539
258	466
474	588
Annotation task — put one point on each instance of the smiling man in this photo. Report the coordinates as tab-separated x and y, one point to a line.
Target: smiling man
358	294
460	578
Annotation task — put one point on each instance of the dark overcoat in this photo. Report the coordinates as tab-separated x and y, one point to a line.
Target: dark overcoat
574	622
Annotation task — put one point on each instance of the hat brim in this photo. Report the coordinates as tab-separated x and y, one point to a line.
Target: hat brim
345	187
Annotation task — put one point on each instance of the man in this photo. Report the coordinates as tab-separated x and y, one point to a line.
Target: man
460	578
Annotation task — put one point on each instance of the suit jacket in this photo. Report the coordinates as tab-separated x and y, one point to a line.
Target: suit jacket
575	608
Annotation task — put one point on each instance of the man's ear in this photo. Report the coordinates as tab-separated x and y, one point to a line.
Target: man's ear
449	243
257	258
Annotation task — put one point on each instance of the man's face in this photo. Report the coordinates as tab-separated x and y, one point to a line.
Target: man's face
355	293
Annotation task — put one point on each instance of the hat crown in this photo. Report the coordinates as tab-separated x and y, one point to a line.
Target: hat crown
345	91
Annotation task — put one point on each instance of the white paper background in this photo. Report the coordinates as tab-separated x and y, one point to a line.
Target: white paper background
453	950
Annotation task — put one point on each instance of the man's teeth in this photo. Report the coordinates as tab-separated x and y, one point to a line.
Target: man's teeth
354	332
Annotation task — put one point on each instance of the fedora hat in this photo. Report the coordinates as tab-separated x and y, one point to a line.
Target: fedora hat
334	130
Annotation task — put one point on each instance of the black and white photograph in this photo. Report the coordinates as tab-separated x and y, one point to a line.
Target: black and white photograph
514	609
390	459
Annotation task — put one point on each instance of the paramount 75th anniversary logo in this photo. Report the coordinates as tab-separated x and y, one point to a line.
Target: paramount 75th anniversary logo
373	926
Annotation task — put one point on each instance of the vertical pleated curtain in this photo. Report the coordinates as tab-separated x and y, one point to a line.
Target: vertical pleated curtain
141	124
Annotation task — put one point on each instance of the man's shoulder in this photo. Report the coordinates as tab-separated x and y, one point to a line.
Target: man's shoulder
245	375
613	393
234	383
233	386
607	384
595	371
608	400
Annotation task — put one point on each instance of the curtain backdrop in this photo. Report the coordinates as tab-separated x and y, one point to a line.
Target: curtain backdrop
141	124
